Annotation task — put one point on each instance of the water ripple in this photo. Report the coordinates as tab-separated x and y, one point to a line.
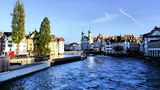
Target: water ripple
94	73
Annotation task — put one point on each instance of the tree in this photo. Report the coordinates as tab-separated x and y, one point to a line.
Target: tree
119	38
18	23
44	38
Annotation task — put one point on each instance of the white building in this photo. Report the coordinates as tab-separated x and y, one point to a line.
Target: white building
154	48
134	47
123	47
99	43
150	43
22	47
86	41
108	48
73	47
7	45
60	45
96	45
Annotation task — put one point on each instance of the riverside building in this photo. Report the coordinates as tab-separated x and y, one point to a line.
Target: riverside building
150	43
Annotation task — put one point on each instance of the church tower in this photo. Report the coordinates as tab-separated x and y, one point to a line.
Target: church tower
82	34
90	37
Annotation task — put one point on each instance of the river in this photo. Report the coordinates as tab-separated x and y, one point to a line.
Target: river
93	73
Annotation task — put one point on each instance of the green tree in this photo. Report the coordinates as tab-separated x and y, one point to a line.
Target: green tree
44	38
18	23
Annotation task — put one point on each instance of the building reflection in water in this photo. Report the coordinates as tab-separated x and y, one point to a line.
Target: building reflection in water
91	62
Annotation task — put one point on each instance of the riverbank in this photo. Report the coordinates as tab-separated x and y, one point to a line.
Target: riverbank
19	71
22	71
60	61
151	60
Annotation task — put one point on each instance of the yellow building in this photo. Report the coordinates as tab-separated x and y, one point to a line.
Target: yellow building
53	46
56	45
31	41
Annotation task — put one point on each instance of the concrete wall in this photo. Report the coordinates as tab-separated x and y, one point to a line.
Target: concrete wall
4	64
23	60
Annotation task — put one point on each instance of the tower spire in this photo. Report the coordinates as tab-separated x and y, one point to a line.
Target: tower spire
82	34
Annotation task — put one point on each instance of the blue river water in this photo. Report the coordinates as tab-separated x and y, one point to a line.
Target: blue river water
93	73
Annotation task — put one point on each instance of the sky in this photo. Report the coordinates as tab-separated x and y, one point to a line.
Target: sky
69	18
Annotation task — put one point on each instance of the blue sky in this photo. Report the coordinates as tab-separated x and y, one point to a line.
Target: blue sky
70	17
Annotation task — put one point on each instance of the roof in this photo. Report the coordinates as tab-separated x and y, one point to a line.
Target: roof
32	33
85	37
145	34
74	43
149	34
7	34
128	36
56	39
100	36
60	39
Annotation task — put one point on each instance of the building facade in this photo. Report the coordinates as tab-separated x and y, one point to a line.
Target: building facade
72	47
31	42
60	45
22	47
122	44
99	43
154	48
28	44
56	45
150	43
7	45
86	41
108	47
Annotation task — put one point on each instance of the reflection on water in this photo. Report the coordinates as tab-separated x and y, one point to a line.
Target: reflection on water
91	62
93	73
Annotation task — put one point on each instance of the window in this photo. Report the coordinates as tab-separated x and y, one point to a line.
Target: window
9	45
9	41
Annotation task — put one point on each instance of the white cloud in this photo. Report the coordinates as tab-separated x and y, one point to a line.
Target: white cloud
129	16
107	17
